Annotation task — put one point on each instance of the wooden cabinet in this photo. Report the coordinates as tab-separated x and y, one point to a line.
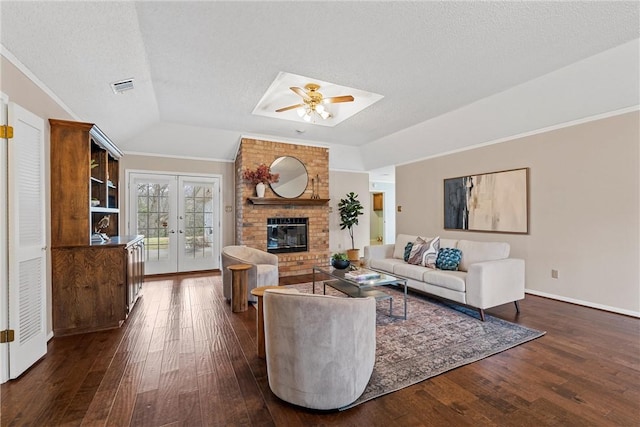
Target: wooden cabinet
95	287
378	201
88	288
84	167
92	280
135	271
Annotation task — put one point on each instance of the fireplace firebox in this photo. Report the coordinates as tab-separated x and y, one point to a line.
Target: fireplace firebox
287	235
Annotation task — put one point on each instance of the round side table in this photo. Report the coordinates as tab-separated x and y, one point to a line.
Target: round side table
239	279
259	293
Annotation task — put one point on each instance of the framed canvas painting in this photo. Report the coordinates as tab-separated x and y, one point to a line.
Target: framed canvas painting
492	202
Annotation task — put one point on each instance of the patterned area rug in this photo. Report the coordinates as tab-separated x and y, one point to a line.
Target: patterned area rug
435	338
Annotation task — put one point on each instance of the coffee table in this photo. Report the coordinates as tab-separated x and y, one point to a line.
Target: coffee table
361	288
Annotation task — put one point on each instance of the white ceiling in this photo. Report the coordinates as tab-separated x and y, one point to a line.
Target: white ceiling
201	67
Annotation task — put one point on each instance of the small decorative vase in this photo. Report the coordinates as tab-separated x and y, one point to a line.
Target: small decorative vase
260	189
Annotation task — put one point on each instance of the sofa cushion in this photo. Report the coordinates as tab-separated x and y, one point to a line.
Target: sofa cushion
385	264
448	258
454	280
401	242
448	243
473	252
410	271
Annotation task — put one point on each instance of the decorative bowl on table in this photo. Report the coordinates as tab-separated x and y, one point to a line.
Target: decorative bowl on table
340	264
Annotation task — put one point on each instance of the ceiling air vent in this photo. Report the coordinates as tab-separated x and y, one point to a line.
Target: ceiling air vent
122	85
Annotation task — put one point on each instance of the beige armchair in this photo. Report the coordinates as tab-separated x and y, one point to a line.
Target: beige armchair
320	349
263	271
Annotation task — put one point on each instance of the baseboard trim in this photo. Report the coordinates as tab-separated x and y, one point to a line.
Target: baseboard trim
584	303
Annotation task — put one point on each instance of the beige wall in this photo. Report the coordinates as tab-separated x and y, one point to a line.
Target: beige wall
340	184
584	208
130	162
22	91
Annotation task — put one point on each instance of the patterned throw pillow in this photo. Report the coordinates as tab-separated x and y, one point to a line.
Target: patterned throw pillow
407	251
417	251
448	259
431	254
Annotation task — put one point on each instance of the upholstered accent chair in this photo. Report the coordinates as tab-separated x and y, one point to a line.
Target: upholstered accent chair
263	271
320	349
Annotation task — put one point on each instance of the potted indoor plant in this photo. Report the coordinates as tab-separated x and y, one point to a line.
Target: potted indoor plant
350	209
260	178
339	260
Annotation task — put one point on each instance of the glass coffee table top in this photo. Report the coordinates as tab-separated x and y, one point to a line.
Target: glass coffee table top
361	286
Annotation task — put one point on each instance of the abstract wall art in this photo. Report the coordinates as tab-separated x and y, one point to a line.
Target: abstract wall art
491	202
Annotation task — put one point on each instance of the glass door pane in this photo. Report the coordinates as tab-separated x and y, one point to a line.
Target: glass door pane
198	222
154	200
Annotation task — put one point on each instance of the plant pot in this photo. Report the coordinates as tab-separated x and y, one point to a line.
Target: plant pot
354	256
340	264
260	189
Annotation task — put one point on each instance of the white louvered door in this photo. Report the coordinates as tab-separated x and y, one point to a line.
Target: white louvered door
27	240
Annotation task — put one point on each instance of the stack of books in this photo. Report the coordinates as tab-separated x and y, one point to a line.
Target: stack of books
361	274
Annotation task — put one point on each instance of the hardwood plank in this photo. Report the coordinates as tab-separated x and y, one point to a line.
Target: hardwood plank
183	358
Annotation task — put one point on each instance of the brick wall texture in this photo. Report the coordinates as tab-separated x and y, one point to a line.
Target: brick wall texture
251	220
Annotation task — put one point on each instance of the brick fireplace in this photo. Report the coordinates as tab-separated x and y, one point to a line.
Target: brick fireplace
251	219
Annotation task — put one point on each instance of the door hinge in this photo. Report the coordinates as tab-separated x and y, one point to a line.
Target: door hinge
8	335
6	132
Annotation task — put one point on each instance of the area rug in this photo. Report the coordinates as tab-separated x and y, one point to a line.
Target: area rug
436	337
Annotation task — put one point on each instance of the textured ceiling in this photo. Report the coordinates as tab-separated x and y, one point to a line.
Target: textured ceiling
203	66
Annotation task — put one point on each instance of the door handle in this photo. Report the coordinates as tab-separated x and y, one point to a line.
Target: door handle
180	231
172	231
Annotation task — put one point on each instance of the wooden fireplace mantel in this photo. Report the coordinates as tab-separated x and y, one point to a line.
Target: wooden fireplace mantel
283	201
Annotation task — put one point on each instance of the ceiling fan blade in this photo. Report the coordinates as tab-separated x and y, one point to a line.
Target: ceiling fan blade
301	92
336	99
290	107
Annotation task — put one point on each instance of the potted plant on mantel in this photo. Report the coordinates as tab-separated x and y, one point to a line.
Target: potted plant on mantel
350	209
260	178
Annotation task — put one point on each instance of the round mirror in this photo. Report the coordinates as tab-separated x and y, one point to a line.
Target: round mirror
293	177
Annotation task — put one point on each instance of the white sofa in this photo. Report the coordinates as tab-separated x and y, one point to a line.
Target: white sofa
487	277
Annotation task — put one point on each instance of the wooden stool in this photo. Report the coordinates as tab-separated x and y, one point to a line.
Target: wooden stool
259	293
239	279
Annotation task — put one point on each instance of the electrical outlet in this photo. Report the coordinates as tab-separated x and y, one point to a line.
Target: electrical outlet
554	274
339	245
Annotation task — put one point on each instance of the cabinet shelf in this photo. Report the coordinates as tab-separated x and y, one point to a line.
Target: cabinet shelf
99	181
290	202
101	209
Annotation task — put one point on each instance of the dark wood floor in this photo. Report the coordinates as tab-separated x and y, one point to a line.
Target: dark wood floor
183	358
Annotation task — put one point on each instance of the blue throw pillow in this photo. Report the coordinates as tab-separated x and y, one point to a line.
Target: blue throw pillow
407	251
448	258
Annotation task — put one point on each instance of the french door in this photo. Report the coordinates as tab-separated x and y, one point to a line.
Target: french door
179	216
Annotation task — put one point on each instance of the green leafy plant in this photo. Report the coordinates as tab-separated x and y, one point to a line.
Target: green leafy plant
340	256
350	209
